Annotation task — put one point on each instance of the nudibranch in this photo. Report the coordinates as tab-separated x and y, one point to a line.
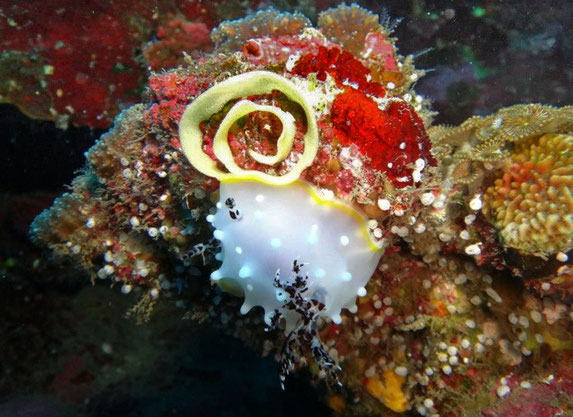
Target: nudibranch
279	236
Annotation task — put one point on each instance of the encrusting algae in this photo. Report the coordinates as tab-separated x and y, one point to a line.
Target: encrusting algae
464	300
389	390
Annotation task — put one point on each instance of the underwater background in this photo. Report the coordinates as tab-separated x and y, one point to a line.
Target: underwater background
67	347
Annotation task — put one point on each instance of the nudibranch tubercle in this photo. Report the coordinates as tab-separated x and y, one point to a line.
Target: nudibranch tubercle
265	222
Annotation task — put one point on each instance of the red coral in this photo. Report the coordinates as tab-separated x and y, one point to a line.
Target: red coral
393	138
176	37
341	65
345	182
171	93
83	65
173	86
199	10
85	56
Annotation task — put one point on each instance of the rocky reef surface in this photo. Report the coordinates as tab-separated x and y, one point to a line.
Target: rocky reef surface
468	311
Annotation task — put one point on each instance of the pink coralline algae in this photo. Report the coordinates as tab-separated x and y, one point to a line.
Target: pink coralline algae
455	320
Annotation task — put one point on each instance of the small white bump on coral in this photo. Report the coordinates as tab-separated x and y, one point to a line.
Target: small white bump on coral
283	223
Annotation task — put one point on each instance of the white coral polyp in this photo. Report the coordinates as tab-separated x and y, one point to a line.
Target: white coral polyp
265	227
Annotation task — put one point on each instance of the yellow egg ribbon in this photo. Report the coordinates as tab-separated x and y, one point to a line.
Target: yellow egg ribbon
248	84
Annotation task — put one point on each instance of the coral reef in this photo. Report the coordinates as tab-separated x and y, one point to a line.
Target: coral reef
527	150
90	62
80	69
176	36
468	309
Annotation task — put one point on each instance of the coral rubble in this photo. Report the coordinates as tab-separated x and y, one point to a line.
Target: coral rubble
468	308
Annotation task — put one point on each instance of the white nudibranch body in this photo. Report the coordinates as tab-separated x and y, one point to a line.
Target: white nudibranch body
274	225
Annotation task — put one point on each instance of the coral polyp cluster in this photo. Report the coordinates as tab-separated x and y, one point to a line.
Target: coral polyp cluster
421	268
526	152
531	204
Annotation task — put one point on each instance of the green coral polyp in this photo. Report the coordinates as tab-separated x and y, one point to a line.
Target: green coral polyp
249	84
